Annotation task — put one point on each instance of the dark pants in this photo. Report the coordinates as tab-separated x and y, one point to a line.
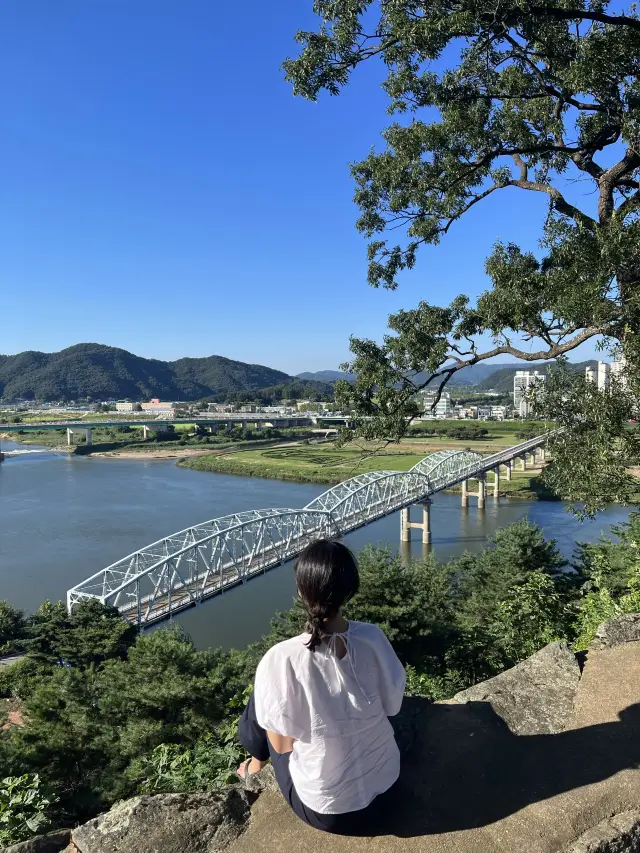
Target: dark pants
254	739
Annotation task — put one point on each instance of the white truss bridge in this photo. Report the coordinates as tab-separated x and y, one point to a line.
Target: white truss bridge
188	567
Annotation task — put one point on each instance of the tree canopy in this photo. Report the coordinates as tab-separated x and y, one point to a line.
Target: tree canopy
537	96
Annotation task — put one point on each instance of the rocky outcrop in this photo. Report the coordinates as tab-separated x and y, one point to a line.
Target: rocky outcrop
534	697
166	823
614	632
617	834
52	842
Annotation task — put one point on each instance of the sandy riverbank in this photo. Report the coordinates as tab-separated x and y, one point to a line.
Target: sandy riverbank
154	454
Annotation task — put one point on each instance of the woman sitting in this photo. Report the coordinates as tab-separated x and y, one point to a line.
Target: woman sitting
321	704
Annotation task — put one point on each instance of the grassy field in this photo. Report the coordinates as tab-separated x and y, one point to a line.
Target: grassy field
325	464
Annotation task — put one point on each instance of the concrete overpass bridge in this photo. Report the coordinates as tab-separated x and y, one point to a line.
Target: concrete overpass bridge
188	567
212	422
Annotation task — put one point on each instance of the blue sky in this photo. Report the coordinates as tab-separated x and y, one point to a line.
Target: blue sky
161	189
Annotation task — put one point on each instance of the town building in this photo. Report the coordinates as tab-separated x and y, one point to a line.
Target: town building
127	406
500	413
604	373
220	407
443	408
157	407
523	381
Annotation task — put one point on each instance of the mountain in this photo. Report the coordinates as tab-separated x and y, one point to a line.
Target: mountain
473	375
485	377
101	372
326	376
502	379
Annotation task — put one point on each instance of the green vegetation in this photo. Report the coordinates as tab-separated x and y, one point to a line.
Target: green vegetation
330	464
531	98
306	463
96	372
24	808
108	713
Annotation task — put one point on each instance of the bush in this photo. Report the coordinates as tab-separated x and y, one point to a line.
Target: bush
207	766
24	808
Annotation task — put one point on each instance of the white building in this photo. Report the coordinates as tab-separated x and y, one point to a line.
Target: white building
443	407
484	413
500	413
522	382
604	373
125	406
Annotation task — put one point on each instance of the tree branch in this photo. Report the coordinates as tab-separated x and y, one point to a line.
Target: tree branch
553	351
610	179
585	14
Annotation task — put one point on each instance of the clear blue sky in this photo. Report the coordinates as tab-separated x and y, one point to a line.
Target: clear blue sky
162	190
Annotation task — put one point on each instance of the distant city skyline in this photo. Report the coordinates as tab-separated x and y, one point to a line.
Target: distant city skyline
163	191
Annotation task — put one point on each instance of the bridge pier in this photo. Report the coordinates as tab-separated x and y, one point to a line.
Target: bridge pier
146	432
523	459
496	482
482	490
465	493
425	525
88	434
509	467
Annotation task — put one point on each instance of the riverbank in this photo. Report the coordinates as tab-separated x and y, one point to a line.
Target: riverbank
331	465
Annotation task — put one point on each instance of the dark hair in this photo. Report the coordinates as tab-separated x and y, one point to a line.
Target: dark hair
327	576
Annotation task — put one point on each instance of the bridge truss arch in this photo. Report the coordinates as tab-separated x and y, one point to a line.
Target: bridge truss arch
196	563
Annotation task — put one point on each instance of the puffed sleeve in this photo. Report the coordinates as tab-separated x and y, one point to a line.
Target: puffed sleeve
280	701
393	678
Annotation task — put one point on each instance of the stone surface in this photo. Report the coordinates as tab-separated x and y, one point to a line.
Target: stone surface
614	632
534	697
617	834
471	785
167	823
52	842
265	780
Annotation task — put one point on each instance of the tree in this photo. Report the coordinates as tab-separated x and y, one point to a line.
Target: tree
12	626
486	579
411	603
532	97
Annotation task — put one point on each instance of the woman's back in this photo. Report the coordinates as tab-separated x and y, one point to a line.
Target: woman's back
334	702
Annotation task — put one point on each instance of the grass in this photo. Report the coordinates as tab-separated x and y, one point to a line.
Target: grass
304	463
313	464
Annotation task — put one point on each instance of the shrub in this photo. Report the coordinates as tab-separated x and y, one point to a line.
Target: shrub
24	808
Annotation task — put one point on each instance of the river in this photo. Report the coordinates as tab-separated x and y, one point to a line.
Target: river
62	518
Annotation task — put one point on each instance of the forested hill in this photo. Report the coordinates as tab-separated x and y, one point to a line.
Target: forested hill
100	372
484	376
502	380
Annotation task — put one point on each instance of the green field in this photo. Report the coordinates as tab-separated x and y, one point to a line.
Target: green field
328	464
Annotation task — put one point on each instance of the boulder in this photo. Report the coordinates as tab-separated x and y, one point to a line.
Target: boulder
616	631
265	780
167	823
617	834
535	696
52	842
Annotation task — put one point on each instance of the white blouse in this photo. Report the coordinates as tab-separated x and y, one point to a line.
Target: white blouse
345	752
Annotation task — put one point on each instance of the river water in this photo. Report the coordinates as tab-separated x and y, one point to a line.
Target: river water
62	518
